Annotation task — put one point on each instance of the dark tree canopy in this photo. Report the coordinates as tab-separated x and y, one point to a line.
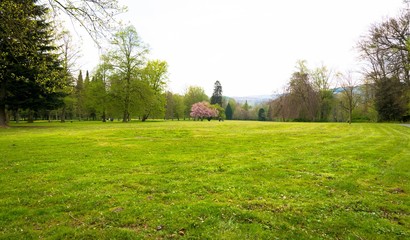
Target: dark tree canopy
217	95
229	112
30	72
390	101
386	49
262	114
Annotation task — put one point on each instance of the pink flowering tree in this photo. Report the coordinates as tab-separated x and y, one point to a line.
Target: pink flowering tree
203	110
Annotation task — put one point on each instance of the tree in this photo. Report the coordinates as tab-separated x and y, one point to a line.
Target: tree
69	56
193	95
79	95
386	50
349	94
221	111
270	112
203	110
96	17
169	106
217	94
128	57
30	71
229	112
390	101
246	108
155	75
261	114
174	106
99	87
302	99
179	107
321	84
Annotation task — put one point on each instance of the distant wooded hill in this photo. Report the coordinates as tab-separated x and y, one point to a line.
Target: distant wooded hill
255	99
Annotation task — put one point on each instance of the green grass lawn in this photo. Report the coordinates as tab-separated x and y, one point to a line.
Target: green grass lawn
205	180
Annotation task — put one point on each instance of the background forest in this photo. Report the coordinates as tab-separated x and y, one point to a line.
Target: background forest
40	79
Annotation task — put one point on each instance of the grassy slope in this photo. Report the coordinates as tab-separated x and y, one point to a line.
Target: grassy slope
205	180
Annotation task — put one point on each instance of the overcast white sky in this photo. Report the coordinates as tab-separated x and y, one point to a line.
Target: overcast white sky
250	46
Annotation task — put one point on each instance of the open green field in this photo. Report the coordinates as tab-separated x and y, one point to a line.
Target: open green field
205	180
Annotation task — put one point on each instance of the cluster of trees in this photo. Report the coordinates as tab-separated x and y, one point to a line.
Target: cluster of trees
386	50
195	103
37	75
124	84
33	74
30	68
36	66
382	93
309	96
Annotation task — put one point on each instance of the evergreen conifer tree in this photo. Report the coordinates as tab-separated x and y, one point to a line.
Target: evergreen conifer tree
262	114
79	94
229	112
217	95
30	72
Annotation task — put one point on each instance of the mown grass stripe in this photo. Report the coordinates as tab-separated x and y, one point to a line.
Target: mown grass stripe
207	179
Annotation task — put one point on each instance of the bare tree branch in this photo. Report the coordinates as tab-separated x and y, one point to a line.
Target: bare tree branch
96	17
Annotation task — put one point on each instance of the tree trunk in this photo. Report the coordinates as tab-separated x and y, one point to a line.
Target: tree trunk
127	97
3	115
125	116
63	114
103	116
17	116
30	116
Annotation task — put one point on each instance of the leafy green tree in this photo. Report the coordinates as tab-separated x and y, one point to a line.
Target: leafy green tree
221	112
169	106
179	107
229	112
193	95
128	58
98	93
155	75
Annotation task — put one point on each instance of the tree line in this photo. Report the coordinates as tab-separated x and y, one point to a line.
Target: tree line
37	66
380	93
34	76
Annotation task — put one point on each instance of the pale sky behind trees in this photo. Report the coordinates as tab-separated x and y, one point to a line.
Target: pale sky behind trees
250	46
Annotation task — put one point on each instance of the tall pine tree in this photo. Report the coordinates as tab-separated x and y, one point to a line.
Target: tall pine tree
29	66
229	112
217	95
79	94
